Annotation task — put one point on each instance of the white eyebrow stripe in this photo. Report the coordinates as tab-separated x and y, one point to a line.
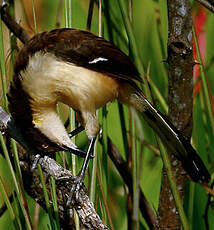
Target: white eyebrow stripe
97	60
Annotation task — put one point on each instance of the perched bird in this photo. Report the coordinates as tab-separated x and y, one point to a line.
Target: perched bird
85	72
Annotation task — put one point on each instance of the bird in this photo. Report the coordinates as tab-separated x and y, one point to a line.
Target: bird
85	72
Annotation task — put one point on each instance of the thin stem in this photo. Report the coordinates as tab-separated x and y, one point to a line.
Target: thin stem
36	216
90	14
47	202
34	18
100	18
159	95
208	204
191	202
135	206
66	14
133	46
2	67
54	200
59	14
9	206
104	201
204	83
18	192
69	14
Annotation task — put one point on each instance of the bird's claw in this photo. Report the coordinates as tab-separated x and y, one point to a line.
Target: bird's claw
35	162
75	190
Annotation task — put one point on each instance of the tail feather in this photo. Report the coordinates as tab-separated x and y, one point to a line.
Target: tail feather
172	138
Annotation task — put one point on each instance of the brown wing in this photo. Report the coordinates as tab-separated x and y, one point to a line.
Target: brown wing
83	49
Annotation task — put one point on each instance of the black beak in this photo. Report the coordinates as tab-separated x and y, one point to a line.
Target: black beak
75	150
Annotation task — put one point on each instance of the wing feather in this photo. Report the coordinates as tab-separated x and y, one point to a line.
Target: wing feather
81	48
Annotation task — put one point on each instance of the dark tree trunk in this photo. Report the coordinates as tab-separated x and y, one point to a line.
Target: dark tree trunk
180	60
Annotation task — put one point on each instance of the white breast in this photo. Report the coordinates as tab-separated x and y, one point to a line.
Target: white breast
48	79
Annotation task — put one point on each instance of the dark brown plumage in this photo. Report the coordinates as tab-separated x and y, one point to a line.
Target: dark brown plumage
81	48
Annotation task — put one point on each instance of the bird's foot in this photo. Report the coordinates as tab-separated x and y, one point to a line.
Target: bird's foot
35	162
77	184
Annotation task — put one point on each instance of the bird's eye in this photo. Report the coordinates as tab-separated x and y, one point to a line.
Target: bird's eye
44	146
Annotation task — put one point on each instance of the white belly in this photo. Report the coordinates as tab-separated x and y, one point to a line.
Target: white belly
48	80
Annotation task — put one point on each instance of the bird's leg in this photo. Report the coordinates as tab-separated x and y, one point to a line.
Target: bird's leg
79	179
76	131
35	161
86	161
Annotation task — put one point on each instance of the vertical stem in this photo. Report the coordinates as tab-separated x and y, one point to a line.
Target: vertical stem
90	14
133	46
66	14
34	17
69	14
17	188
191	202
204	82
100	18
94	160
68	24
2	67
11	211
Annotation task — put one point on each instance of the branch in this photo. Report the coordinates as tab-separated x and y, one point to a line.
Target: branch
90	14
64	181
12	25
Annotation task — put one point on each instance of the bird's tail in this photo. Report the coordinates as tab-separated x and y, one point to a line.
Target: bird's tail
170	136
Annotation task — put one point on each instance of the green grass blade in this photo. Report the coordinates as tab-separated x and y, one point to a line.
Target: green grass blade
191	202
123	127
133	46
204	83
54	200
34	17
2	68
159	96
17	164
47	202
68	24
9	206
17	188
